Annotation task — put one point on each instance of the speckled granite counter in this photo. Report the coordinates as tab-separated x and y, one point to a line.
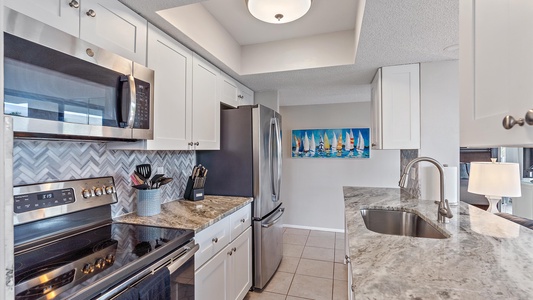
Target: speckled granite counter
486	257
195	215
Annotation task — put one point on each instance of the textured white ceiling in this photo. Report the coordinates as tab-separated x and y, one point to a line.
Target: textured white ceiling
393	32
325	16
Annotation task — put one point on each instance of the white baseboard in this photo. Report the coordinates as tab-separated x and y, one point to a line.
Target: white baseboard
312	228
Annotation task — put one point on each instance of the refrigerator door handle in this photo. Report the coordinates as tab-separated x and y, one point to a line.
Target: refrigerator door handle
278	158
273	185
276	220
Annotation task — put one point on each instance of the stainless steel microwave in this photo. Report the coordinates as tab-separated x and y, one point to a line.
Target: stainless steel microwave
57	86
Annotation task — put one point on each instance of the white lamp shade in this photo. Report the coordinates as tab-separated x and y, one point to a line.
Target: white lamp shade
270	10
495	179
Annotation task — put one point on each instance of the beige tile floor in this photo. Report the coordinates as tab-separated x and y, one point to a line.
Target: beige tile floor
312	268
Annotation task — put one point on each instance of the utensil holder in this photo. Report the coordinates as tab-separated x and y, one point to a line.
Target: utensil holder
192	193
148	202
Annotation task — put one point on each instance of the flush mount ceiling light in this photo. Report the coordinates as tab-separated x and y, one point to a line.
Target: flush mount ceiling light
278	11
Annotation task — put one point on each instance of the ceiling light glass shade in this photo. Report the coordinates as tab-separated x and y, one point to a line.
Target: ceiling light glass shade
278	11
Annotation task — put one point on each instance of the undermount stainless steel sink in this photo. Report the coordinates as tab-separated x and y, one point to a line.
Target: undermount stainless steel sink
397	222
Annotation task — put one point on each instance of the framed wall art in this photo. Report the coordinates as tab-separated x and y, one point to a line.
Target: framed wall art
331	143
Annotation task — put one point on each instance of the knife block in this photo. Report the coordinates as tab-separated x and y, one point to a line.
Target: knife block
191	193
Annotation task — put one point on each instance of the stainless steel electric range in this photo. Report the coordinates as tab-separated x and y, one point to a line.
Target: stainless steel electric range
67	247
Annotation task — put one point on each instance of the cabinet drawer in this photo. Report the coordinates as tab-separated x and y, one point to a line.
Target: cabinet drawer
240	221
211	241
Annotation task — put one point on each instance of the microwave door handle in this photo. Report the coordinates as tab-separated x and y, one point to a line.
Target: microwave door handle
133	101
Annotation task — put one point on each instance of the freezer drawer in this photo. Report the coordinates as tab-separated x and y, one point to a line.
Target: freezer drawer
268	247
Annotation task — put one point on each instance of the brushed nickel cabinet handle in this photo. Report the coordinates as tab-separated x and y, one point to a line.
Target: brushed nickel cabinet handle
215	240
91	13
74	4
197	144
509	122
529	117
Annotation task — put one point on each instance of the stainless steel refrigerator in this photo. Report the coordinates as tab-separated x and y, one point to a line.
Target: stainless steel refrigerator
249	164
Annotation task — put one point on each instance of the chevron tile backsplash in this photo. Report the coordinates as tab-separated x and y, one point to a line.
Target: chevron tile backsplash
42	161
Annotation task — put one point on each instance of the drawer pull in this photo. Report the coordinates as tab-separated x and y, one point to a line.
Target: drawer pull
233	249
215	240
243	220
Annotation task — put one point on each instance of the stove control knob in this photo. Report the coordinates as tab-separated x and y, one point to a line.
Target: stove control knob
110	258
88	268
100	263
98	191
109	189
86	193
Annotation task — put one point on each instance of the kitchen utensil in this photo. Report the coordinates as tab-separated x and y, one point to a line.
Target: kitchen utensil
155	180
139	176
145	170
164	181
143	186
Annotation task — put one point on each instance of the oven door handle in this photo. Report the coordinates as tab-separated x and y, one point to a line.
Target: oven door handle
183	259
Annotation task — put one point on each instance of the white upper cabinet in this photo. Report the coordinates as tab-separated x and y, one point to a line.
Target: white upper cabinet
233	93
496	71
172	63
61	14
108	24
227	90
245	95
205	106
396	108
114	27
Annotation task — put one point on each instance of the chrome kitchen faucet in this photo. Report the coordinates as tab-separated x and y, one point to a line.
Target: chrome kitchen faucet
443	212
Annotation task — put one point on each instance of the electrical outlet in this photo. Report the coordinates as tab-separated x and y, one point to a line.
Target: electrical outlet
160	170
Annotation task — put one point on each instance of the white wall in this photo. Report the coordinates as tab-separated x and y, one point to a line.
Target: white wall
439	116
312	188
269	99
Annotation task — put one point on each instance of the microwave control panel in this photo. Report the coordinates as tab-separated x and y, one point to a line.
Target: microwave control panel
142	115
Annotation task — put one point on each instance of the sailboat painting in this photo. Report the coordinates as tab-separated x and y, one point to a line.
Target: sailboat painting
331	143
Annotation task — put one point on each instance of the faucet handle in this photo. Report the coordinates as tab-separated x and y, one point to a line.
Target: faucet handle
447	211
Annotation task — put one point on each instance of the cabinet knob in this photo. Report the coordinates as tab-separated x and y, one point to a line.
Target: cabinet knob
91	13
215	240
529	117
190	144
233	249
508	122
74	4
243	220
240	96
230	253
197	144
373	144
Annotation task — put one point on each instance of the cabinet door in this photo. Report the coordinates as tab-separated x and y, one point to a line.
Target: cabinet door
61	14
376	110
205	106
400	107
246	95
111	25
210	281
172	63
240	272
227	90
496	70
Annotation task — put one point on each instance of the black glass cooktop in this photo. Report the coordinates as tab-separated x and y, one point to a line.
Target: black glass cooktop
71	264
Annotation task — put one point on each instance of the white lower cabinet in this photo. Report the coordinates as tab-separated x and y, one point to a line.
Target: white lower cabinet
226	274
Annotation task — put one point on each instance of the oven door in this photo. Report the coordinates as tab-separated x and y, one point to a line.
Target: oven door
180	265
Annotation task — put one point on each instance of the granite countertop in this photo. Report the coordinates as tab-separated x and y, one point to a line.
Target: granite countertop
195	215
486	256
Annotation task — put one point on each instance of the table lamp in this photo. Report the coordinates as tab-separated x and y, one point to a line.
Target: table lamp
494	180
